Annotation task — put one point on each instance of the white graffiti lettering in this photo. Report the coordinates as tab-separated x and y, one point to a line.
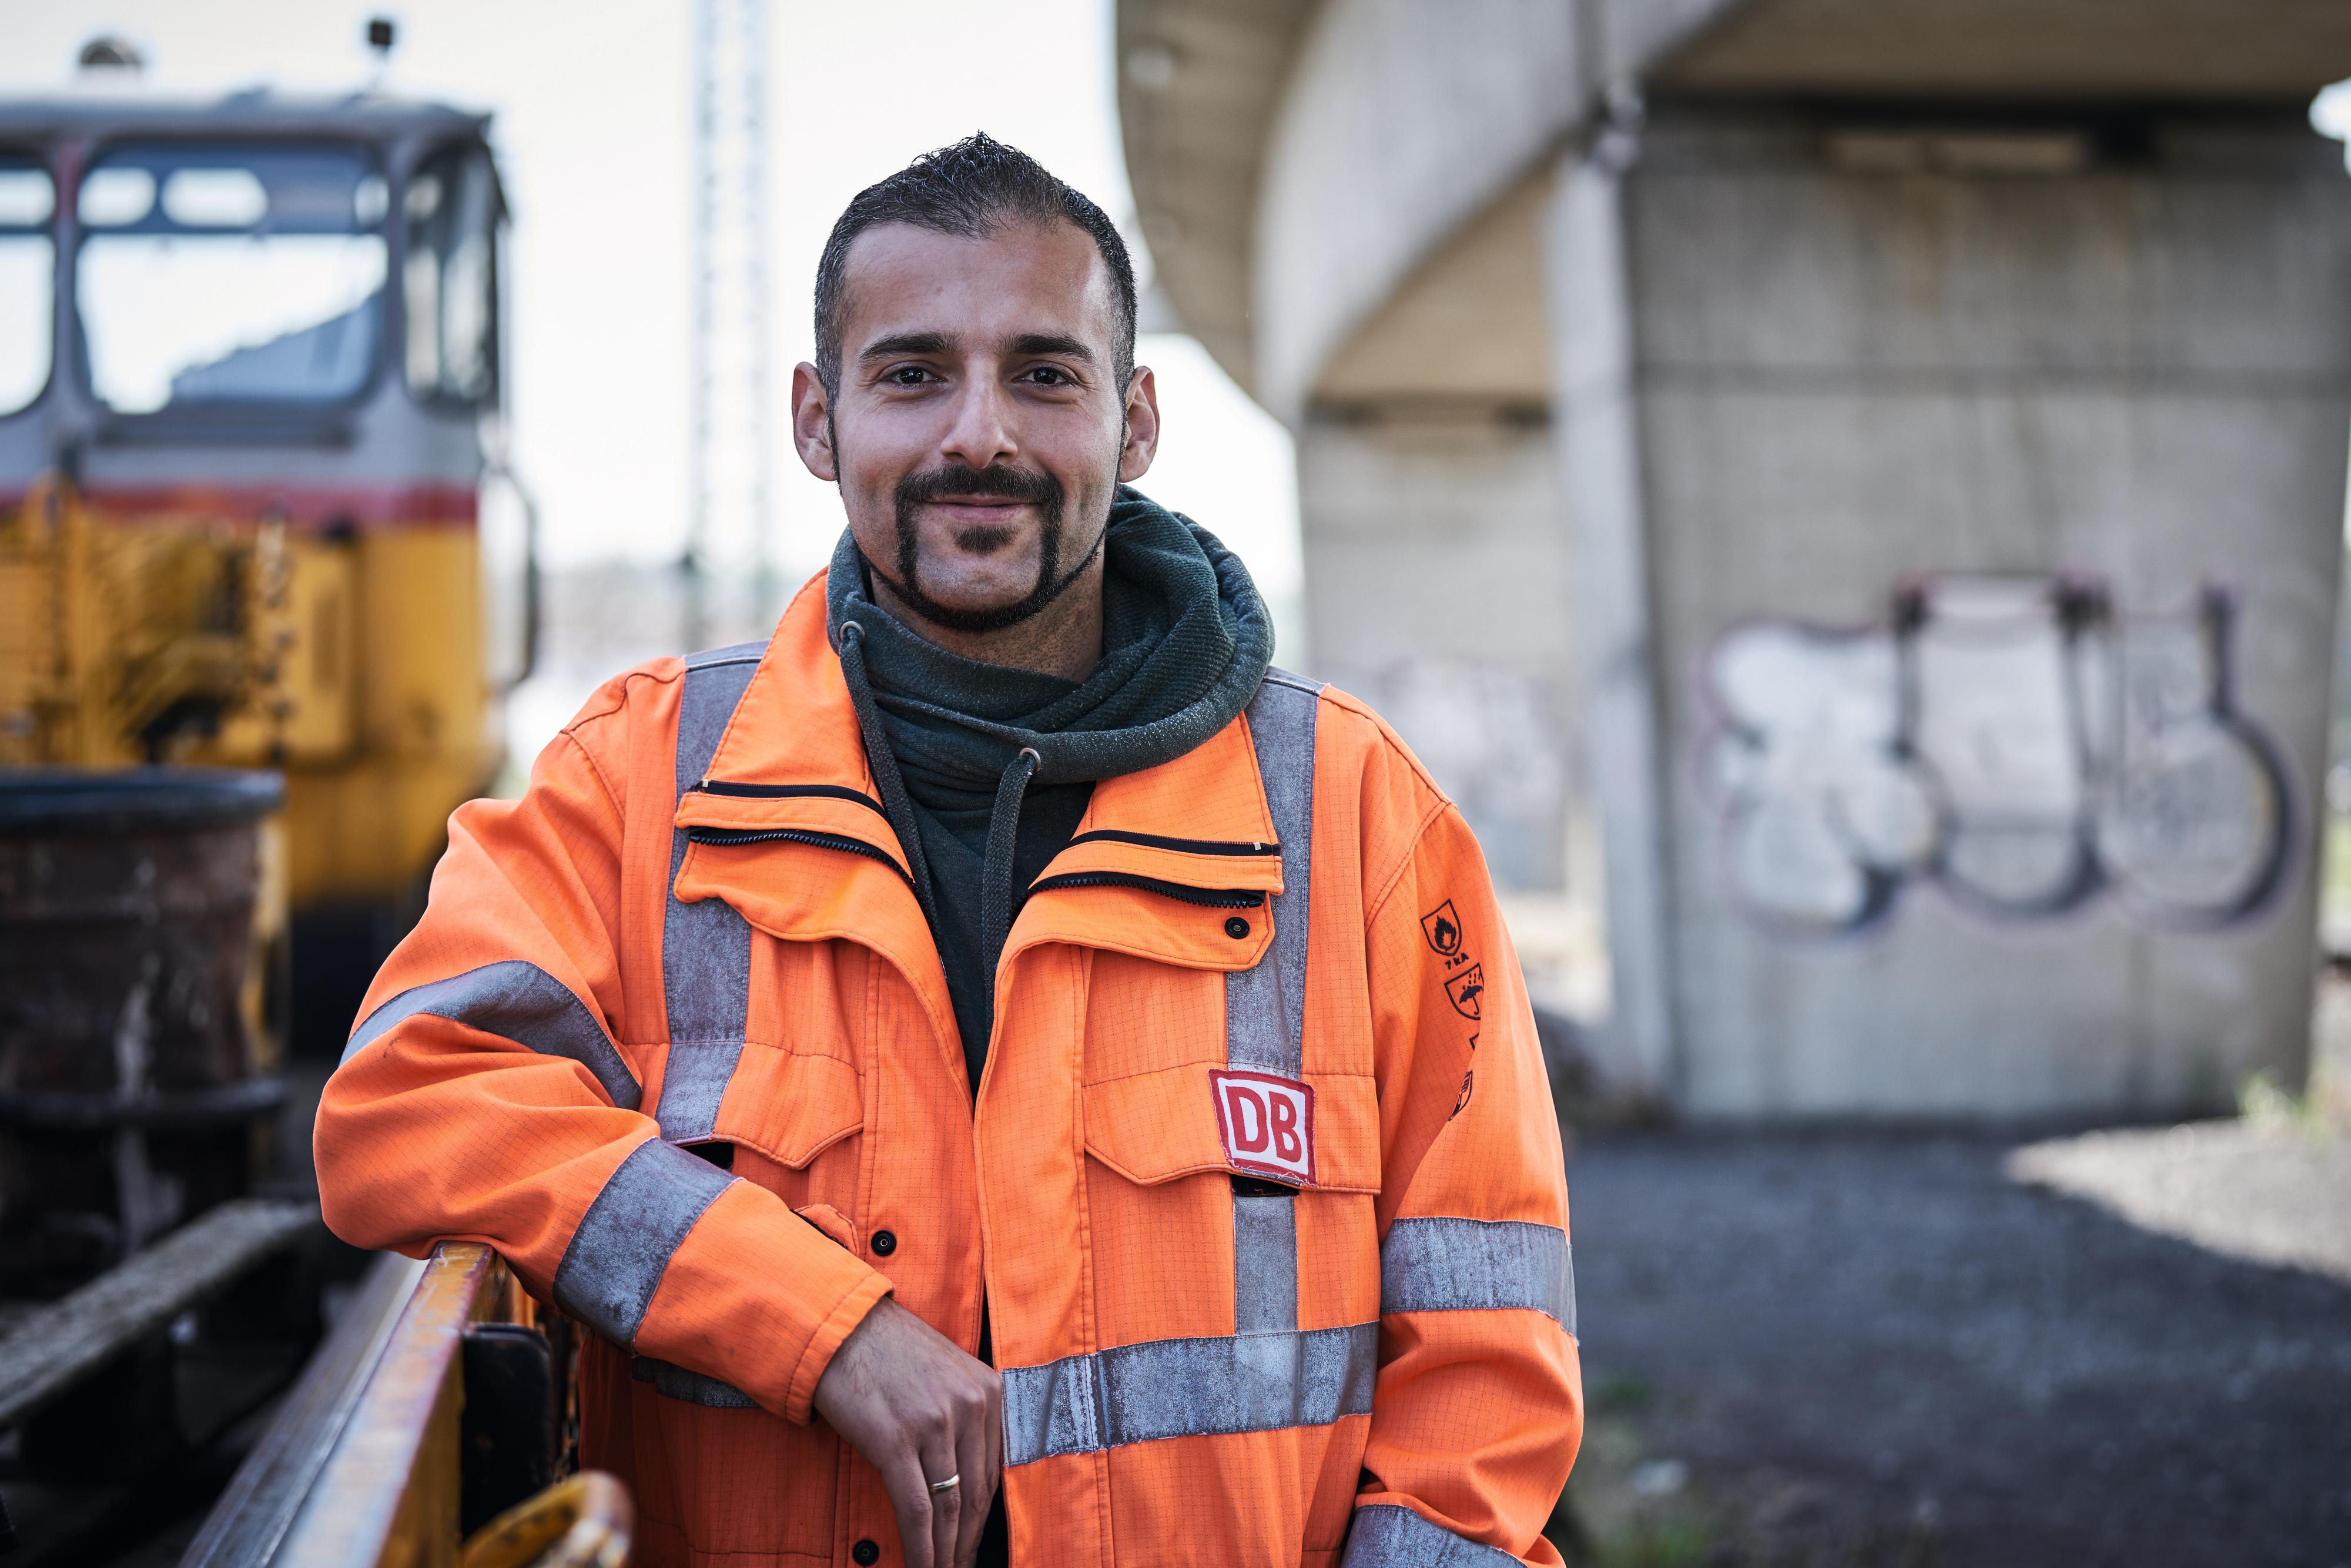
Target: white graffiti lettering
2014	741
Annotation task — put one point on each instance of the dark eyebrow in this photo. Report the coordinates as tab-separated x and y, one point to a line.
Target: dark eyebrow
905	343
1050	343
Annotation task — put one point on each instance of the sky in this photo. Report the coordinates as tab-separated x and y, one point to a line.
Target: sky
593	104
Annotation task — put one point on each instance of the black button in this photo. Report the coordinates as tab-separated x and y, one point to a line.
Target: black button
1235	928
866	1554
885	1243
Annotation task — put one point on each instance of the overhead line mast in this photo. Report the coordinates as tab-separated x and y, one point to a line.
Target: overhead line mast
731	512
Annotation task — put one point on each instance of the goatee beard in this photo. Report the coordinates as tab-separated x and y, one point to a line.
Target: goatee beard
1039	489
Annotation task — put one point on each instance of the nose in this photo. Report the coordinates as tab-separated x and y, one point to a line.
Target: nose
980	432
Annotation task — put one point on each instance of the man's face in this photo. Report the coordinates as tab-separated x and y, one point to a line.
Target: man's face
979	429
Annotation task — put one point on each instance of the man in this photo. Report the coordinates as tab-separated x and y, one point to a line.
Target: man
997	1034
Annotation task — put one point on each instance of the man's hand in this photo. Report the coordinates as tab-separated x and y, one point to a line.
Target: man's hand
920	1410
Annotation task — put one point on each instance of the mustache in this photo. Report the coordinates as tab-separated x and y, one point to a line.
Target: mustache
1033	485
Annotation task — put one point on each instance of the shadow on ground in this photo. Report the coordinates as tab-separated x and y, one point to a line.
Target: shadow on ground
1862	1350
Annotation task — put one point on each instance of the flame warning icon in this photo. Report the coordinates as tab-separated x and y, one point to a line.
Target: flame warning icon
1442	927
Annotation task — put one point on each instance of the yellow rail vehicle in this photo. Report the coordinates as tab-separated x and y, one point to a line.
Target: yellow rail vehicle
250	412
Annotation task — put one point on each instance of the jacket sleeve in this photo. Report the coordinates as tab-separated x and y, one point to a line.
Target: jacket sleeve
1477	1408
484	1097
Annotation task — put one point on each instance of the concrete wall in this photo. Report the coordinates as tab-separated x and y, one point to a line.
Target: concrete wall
2024	373
1436	567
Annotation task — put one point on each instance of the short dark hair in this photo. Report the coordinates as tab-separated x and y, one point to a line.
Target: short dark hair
976	188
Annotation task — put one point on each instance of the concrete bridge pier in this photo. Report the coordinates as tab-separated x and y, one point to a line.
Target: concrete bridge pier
1957	495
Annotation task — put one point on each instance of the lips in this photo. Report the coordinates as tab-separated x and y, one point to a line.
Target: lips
977	509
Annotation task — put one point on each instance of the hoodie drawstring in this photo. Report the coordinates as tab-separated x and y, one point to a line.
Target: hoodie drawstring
996	875
996	890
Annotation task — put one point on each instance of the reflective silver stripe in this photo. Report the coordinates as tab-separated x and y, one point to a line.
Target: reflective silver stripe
706	946
1265	1007
1187	1387
1265	1264
674	1382
518	1001
629	1234
1450	1265
1385	1535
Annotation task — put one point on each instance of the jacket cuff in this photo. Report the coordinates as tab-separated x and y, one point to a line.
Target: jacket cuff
759	1299
830	1337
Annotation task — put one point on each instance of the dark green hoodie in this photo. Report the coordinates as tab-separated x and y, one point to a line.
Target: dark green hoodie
986	769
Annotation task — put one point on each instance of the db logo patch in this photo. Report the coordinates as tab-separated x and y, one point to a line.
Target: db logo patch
1267	1123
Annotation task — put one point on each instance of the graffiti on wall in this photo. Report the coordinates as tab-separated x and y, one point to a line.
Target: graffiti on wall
2017	742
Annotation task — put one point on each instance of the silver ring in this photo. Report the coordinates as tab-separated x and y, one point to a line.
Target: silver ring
949	1484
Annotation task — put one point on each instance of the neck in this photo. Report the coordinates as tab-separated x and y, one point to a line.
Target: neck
1063	639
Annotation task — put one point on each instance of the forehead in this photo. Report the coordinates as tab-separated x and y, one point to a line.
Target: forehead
1026	278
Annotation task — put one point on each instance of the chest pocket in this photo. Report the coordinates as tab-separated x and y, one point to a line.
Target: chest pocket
1155	1127
791	1106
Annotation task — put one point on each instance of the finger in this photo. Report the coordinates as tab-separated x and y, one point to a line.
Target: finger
972	1464
993	1462
995	1431
947	1506
910	1497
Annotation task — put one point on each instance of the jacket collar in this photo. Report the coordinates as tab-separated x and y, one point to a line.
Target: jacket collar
791	753
1161	864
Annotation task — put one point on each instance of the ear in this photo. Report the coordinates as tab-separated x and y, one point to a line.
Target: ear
811	431
1142	426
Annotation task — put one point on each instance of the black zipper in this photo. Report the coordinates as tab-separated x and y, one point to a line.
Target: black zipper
787	793
1186	846
1209	898
723	836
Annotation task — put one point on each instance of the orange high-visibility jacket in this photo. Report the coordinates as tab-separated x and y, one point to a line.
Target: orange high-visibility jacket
1262	1187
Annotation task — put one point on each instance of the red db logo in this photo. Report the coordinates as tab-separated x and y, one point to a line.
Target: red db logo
1267	1123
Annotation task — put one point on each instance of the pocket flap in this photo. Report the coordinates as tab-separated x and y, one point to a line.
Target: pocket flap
1153	1127
831	1221
789	1106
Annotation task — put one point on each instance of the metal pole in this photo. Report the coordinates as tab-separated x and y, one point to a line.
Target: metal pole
693	562
756	328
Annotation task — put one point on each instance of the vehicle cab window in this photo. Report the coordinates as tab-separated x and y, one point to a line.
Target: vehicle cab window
230	273
450	279
27	280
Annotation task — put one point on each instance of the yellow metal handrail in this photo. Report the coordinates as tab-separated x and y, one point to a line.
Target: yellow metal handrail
388	1494
363	1468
